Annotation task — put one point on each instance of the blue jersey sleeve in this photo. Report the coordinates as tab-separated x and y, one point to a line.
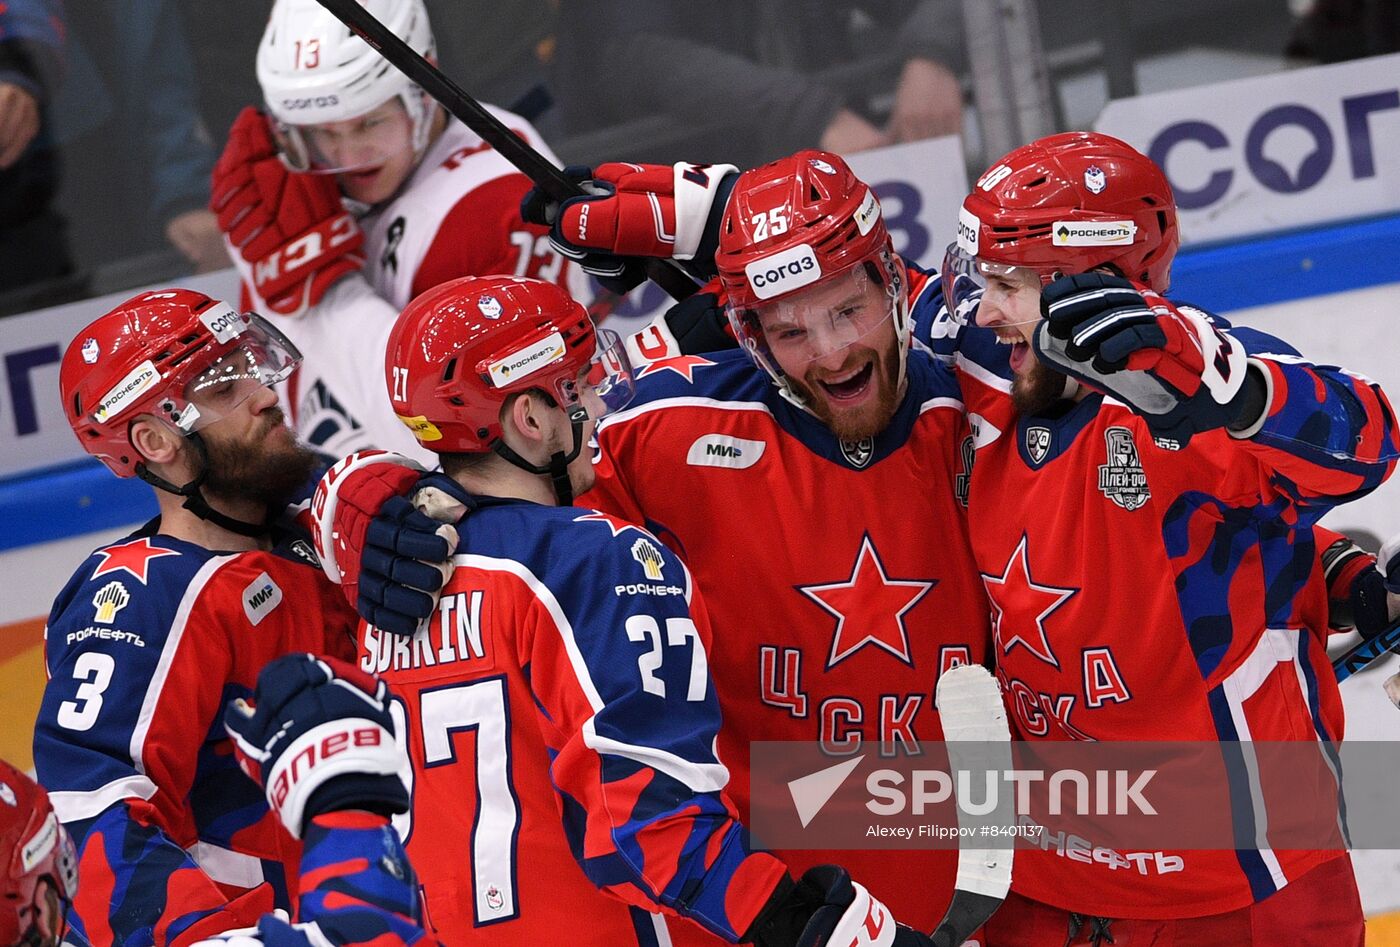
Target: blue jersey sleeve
644	760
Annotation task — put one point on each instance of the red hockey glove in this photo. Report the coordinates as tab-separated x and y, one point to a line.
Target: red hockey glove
637	210
1175	367
318	737
290	235
389	559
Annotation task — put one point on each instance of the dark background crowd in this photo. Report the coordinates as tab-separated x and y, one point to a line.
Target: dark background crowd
113	113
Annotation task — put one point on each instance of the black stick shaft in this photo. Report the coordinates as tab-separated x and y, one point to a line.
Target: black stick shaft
1367	653
471	113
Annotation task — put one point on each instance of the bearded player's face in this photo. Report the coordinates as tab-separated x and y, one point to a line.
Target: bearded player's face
837	346
1010	307
253	455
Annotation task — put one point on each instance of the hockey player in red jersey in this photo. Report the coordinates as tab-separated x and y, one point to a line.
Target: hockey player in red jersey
356	886
425	200
783	462
154	632
566	673
1126	421
1302	438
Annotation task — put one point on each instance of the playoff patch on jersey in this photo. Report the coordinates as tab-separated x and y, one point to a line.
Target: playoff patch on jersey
260	597
1122	479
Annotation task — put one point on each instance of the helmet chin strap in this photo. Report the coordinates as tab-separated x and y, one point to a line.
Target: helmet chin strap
194	497
558	465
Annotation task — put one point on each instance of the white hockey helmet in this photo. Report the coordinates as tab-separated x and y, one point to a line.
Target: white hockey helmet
313	70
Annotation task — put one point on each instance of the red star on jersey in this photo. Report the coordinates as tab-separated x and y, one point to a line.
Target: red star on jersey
869	607
682	365
612	522
1016	595
133	557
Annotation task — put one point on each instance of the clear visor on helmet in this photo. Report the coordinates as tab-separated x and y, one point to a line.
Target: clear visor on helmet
966	278
607	383
261	358
357	144
820	320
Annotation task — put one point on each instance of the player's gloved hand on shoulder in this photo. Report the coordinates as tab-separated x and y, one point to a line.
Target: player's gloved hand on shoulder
290	236
637	210
389	559
694	326
318	737
1173	366
825	907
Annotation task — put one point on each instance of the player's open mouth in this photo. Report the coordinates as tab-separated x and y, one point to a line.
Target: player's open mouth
366	176
1020	355
851	386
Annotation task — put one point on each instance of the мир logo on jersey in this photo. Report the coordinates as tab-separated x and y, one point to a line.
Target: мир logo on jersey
1122	479
260	597
646	553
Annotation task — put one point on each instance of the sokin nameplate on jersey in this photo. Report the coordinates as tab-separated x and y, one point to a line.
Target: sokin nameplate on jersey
784	271
1093	233
722	450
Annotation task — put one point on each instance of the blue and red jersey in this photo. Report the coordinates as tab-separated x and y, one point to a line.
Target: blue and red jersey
834	613
1147	590
563	727
144	646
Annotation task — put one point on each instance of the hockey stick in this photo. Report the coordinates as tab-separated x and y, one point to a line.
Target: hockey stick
471	113
1367	653
978	738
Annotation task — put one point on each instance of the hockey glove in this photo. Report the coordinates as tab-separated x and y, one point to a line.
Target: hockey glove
1174	367
318	737
289	235
389	559
637	210
825	907
694	326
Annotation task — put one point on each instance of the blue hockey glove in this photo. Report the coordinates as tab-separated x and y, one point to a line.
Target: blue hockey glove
318	737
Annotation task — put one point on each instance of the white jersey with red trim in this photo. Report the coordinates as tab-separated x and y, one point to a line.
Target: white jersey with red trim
458	215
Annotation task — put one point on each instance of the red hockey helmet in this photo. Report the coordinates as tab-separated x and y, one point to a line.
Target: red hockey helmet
1067	203
459	350
794	223
39	863
176	354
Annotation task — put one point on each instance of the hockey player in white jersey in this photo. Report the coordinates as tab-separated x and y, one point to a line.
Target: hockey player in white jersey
354	193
